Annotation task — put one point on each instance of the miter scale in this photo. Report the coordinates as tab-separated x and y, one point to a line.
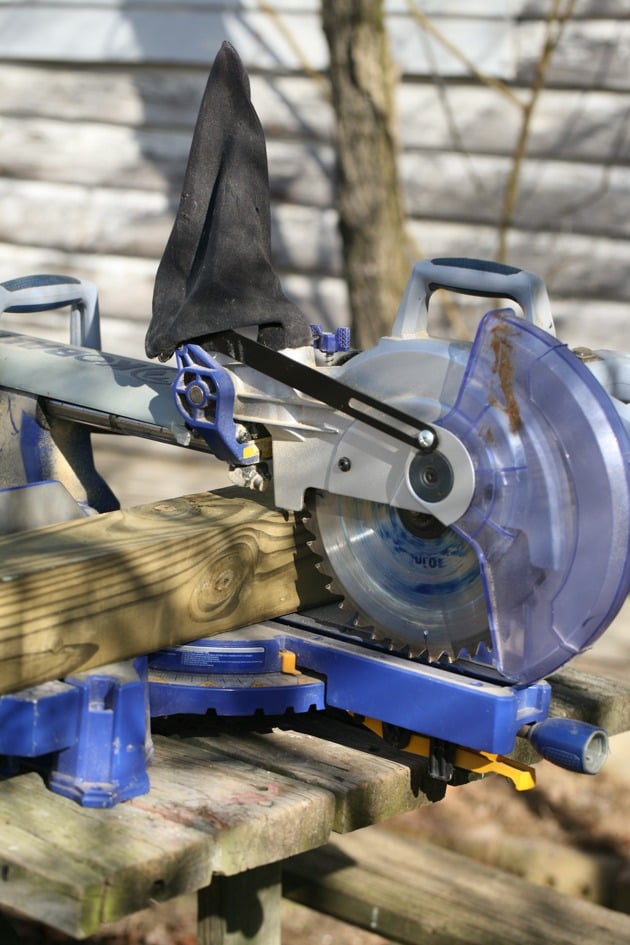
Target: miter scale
470	502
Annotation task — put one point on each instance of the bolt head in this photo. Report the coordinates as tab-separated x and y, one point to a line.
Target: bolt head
426	439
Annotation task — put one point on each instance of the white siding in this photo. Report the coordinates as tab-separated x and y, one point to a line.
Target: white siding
98	101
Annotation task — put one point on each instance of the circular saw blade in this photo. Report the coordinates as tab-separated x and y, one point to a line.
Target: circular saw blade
409	581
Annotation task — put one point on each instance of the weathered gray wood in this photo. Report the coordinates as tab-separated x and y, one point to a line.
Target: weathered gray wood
164	99
441	185
102	34
414	892
209	811
322	752
243	909
126	287
75	868
576	124
305	238
590	698
161	34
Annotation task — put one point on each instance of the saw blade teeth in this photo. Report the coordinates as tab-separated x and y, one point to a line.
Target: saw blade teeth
415	596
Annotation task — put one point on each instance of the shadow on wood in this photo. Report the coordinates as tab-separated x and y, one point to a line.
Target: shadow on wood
82	594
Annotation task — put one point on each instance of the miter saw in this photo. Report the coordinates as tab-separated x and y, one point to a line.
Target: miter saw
469	501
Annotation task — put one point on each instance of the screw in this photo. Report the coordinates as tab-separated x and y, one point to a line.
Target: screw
196	395
426	440
345	464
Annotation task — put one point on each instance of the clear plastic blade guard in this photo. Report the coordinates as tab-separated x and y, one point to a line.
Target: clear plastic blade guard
550	515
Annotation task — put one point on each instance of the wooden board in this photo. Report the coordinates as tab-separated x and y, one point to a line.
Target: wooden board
209	811
591	698
283	39
86	593
314	750
413	892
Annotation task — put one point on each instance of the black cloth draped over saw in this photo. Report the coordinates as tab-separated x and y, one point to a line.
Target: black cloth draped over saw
216	272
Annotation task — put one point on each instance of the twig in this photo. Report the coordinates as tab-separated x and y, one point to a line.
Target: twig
555	22
427	24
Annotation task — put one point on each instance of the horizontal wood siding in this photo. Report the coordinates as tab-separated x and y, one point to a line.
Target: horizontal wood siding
98	102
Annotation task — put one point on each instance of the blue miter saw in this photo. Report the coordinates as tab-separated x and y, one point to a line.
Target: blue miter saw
469	501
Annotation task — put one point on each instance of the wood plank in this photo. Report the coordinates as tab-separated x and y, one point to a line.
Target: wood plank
305	239
125	285
369	780
470	7
563	260
593	53
87	593
101	34
591	698
576	124
75	868
210	810
254	815
411	892
94	154
596	269
150	97
587	277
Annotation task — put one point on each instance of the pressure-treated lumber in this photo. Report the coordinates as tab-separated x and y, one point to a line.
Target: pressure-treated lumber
83	594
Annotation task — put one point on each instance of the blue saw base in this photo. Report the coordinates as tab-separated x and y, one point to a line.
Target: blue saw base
239	673
89	735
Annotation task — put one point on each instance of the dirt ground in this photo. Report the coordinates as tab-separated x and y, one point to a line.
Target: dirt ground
572	832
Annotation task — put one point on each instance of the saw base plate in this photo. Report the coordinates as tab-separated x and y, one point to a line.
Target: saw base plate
441	703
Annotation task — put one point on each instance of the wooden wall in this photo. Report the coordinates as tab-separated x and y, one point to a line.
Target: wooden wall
98	100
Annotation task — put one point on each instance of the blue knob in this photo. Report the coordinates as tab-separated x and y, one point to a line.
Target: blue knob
576	746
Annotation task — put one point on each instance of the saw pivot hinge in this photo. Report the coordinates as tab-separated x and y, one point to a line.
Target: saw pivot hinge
204	396
446	759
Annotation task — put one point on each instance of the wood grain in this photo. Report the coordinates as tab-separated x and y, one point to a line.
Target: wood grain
209	812
413	892
83	594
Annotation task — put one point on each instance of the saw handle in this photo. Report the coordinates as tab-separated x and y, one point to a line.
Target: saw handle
478	277
41	293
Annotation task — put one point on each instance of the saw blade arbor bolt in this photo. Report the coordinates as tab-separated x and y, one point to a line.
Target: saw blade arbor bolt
431	476
427	440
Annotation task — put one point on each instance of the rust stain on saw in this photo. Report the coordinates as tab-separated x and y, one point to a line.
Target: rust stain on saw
503	368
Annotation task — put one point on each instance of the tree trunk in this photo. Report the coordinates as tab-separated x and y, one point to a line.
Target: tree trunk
376	251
